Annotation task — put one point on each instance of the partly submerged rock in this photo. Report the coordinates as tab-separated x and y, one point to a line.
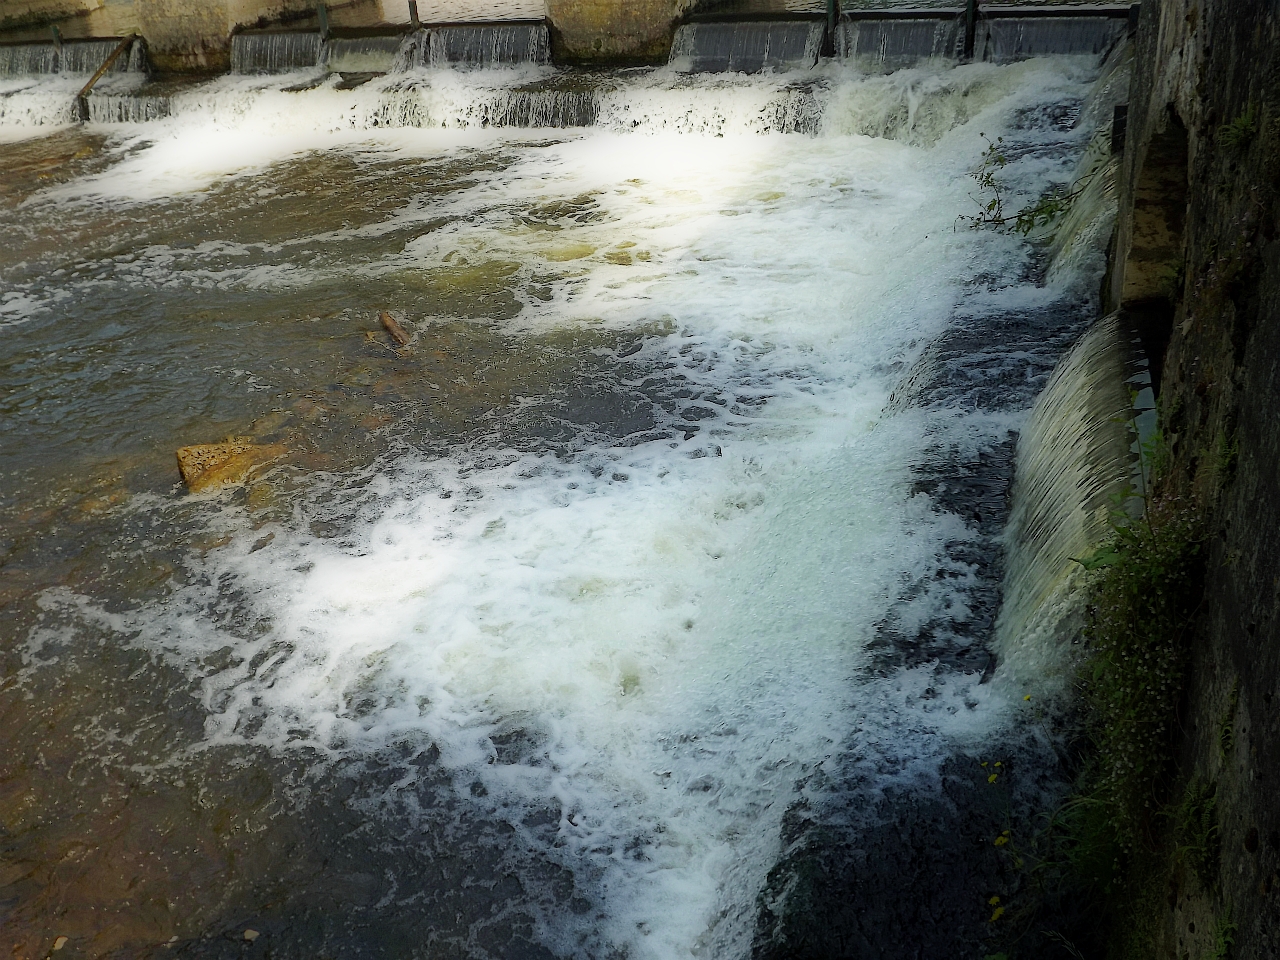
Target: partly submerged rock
205	466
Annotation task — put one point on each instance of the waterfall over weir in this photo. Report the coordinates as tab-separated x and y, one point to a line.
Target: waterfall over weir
891	44
888	43
485	44
275	52
746	47
70	57
1076	456
1006	39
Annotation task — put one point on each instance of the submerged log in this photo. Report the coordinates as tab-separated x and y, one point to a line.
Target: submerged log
206	466
398	333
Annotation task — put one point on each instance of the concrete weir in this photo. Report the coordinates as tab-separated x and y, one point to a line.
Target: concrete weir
206	36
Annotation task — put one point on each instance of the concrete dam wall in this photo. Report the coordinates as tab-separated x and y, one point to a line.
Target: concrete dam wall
197	36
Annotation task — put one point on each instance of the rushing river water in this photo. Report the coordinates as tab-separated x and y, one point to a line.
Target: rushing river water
528	643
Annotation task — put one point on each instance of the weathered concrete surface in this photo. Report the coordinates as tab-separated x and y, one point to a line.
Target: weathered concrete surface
618	30
1198	250
195	35
22	20
184	35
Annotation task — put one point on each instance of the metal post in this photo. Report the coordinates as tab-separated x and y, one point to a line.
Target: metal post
322	14
833	15
970	28
1119	128
414	22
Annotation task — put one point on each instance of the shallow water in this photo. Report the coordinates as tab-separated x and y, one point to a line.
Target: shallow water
528	642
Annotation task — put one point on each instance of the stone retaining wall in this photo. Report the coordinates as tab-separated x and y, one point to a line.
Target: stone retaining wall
1197	260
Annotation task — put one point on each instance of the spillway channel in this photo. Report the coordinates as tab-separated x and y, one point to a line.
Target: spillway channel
532	635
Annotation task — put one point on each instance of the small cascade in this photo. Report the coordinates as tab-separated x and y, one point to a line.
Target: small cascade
563	109
126	107
69	57
789	110
1111	88
746	47
22	59
1075	457
361	54
1082	233
540	108
1006	39
274	52
413	52
488	44
891	44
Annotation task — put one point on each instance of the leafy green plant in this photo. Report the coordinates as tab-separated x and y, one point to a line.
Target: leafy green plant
1227	452
1240	132
1108	851
991	199
1224	937
1063	942
1194	821
1137	624
991	211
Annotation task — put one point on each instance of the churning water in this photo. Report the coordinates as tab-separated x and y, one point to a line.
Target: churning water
527	642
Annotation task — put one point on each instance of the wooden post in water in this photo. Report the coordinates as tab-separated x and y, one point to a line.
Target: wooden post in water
82	98
970	28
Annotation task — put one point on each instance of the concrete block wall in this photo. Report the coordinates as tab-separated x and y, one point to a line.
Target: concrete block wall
613	30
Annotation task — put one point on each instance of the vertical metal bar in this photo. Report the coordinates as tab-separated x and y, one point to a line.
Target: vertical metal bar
970	28
1119	127
322	14
833	13
414	22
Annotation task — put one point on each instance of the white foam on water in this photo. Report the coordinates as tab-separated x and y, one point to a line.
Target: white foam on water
655	641
20	306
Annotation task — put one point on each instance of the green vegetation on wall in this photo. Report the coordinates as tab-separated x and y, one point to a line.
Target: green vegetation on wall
1103	862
